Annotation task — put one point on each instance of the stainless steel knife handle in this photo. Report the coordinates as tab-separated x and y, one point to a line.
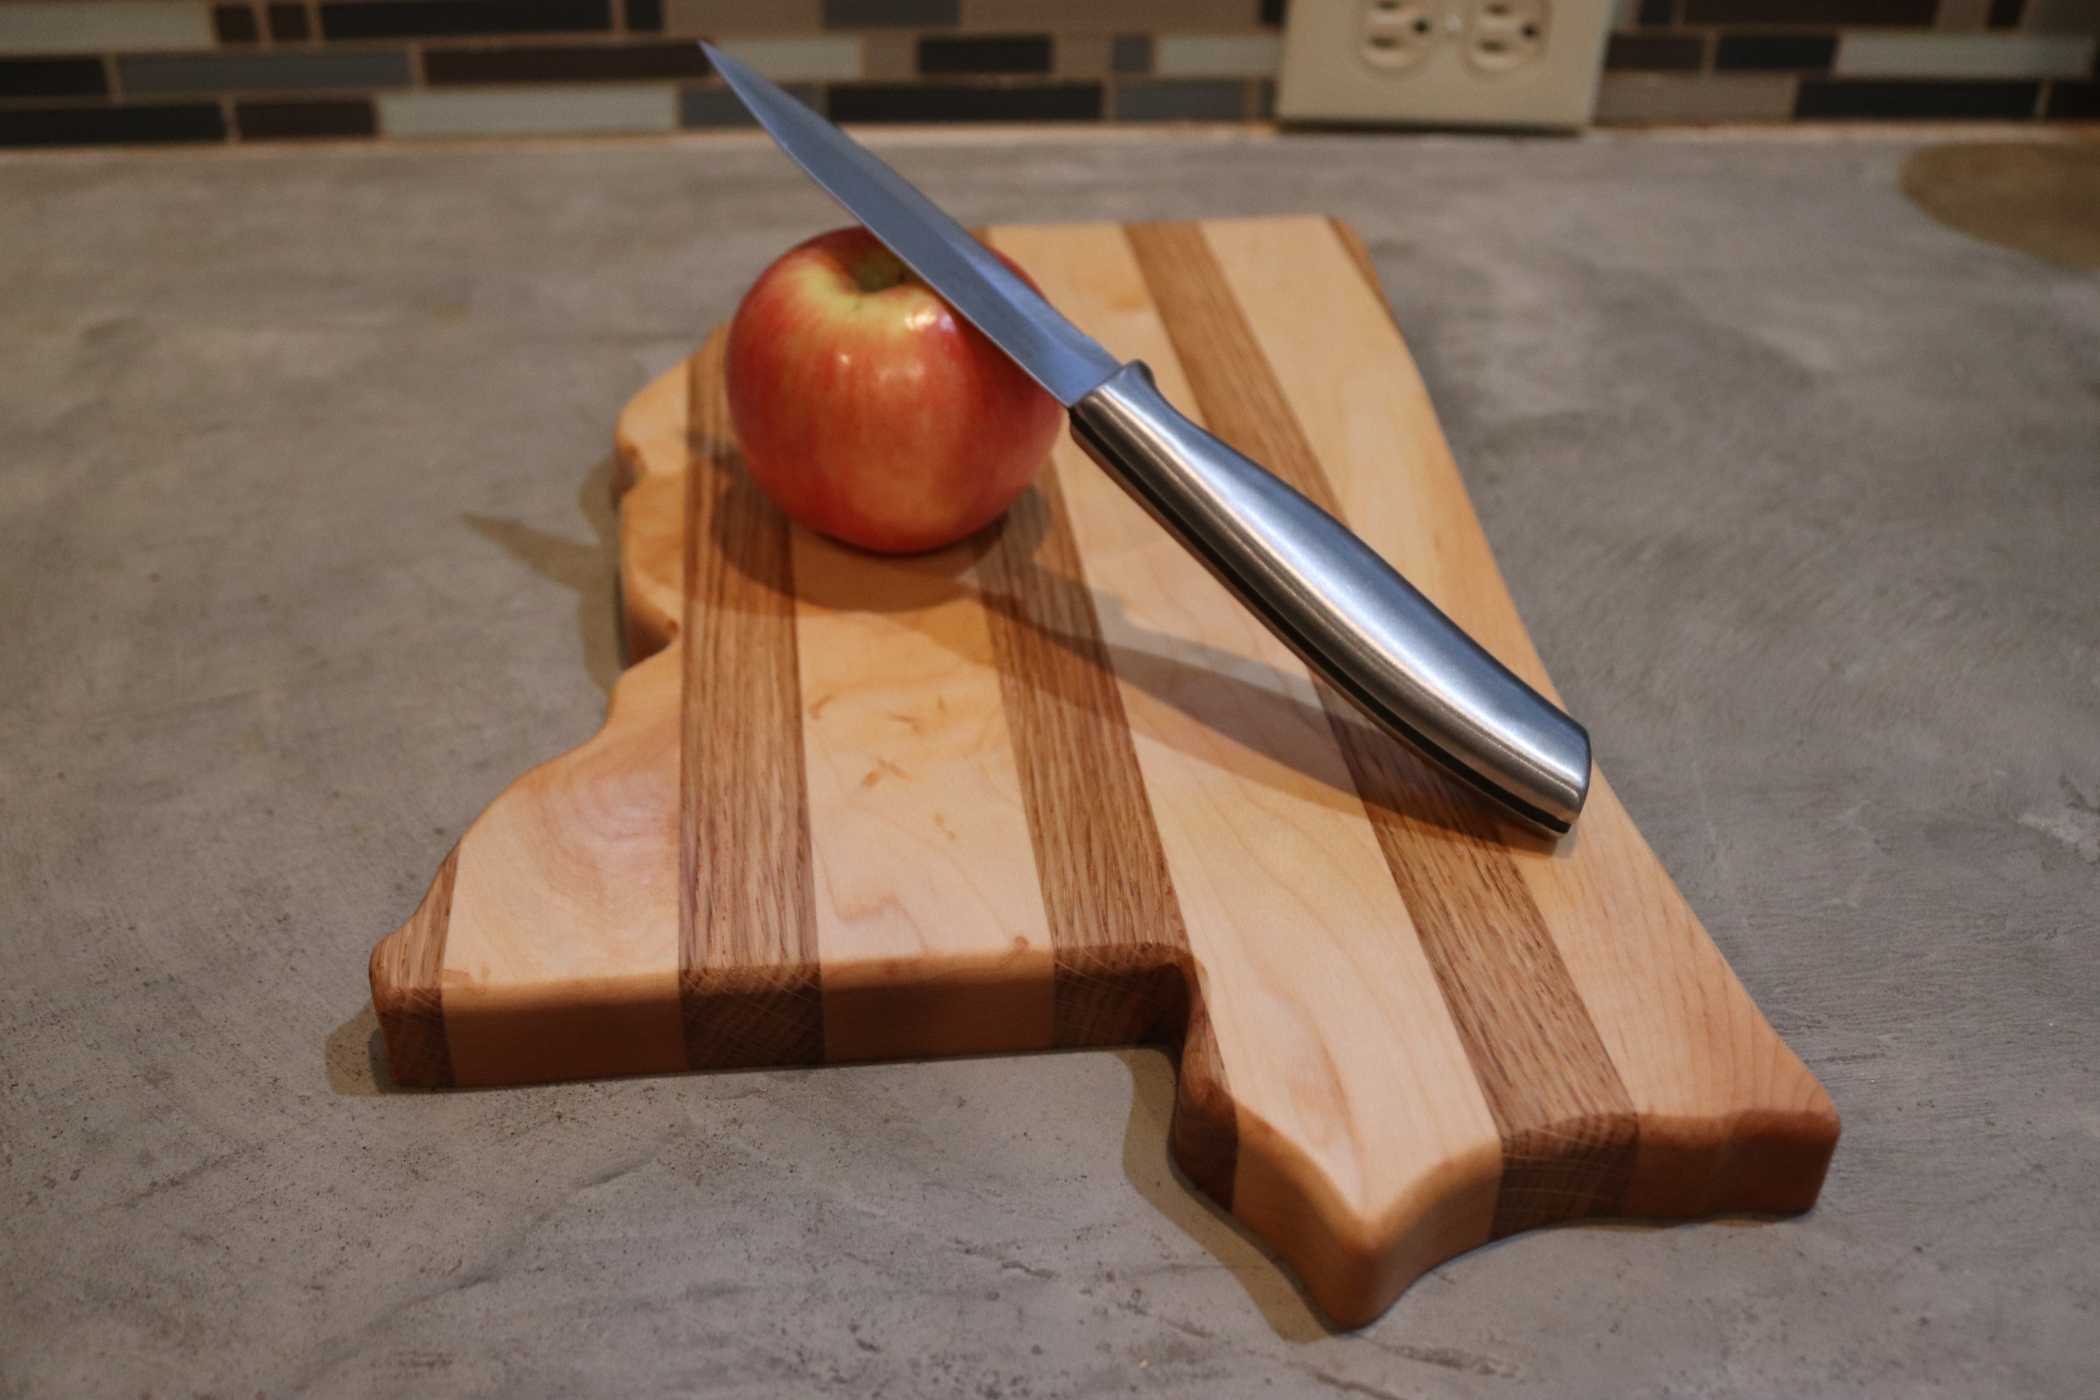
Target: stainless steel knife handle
1340	607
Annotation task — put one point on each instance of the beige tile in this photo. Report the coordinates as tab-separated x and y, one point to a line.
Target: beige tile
2061	16
1083	55
1638	99
1864	54
553	109
1112	16
889	57
1217	55
1964	14
742	16
84	28
817	58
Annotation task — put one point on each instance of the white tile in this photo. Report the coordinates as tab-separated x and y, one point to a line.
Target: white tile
1216	55
809	60
85	28
1864	54
551	110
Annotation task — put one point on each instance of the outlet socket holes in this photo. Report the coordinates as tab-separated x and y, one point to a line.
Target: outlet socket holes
1398	34
1506	34
1496	36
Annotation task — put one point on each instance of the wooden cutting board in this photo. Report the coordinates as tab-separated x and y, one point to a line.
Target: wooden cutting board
1053	787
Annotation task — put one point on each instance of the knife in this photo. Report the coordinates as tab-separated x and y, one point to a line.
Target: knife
1325	593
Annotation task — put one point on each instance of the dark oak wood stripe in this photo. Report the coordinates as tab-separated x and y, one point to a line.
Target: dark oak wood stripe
1567	1124
748	982
408	990
1115	925
1122	966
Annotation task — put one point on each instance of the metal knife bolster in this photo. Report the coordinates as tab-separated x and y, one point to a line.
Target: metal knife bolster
1330	598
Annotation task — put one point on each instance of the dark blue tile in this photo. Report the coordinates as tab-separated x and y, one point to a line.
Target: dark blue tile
111	126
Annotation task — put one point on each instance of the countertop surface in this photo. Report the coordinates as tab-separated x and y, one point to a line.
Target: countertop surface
305	552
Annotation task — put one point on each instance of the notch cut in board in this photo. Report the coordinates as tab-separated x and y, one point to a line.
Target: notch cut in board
1053	787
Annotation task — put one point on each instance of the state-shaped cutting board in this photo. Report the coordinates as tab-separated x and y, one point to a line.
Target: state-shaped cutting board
1053	787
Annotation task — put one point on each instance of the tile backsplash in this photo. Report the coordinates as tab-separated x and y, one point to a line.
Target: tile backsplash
77	72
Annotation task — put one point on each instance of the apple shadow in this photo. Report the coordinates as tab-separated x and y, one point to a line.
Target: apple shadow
590	568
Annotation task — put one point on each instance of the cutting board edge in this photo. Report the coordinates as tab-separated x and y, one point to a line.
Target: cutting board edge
1763	1158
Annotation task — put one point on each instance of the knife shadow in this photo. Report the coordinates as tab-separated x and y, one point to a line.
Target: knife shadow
1251	718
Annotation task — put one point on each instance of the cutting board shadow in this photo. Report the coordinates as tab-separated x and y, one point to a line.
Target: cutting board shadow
1053	788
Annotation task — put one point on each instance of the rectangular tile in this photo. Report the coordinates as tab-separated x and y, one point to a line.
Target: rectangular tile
644	16
815	58
711	17
891	14
1184	100
276	71
289	24
1965	56
235	24
1655	53
888	58
1916	13
2074	101
1823	98
52	77
986	53
2055	16
1083	55
405	19
718	106
1131	53
111	126
1125	16
1643	99
88	28
938	102
564	63
293	121
1791	52
1217	55
529	111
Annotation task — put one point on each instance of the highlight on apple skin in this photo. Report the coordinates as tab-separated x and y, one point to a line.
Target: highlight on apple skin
868	410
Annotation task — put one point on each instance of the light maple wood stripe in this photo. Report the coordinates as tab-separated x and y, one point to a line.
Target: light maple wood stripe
408	991
911	769
1567	1126
1729	1117
1362	1170
748	972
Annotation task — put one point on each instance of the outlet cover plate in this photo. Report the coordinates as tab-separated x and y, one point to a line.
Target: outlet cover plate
1497	63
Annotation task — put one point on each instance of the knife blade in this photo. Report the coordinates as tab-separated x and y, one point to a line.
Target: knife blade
1324	592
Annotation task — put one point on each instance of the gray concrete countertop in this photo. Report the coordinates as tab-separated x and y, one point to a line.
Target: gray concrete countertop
304	554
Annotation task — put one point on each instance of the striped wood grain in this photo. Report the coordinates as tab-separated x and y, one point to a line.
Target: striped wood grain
1567	1127
1054	787
749	988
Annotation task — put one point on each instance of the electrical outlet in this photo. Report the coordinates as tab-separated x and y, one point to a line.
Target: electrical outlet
1507	34
1443	62
1397	34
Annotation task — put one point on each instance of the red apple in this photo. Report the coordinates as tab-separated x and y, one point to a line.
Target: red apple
870	411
